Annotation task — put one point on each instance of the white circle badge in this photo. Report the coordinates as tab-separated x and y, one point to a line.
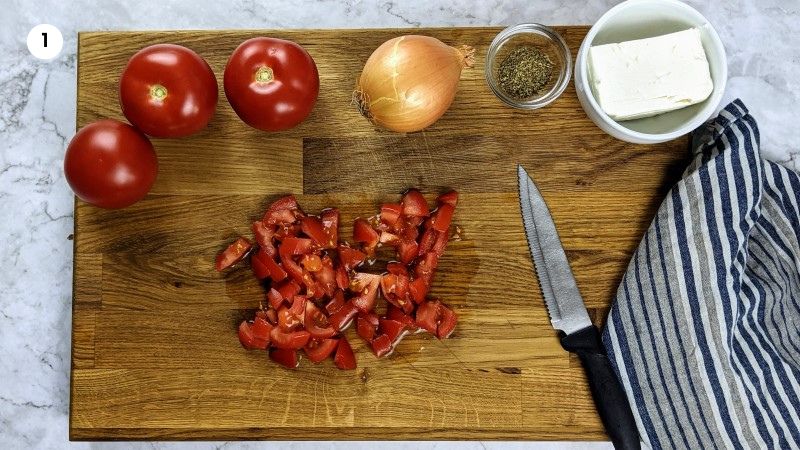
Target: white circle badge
45	41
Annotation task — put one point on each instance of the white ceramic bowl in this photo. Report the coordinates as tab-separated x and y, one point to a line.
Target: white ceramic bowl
637	19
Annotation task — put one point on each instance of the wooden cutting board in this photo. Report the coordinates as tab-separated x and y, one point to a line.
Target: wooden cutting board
154	347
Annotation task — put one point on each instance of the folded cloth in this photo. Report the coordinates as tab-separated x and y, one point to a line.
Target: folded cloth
704	332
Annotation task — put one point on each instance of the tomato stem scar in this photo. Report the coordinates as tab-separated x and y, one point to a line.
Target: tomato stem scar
264	74
158	92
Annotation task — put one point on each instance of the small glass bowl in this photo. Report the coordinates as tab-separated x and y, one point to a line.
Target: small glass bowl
547	41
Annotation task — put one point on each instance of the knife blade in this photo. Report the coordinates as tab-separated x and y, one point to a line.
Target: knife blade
569	316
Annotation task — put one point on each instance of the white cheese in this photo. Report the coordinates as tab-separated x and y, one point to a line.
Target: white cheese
650	76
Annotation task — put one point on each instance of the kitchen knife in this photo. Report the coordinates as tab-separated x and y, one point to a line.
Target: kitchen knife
568	315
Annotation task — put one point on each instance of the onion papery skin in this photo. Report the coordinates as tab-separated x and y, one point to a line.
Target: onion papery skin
410	81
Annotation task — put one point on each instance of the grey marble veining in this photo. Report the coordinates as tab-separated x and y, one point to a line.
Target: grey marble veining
37	118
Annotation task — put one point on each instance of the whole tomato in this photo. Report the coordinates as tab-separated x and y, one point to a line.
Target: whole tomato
272	84
168	91
110	164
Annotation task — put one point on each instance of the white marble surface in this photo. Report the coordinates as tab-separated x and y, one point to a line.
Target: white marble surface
37	118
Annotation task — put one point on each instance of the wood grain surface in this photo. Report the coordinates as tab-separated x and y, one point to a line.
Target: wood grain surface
154	347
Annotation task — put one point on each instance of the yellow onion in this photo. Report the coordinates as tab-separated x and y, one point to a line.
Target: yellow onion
410	81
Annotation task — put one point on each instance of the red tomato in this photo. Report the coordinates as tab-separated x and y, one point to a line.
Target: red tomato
312	227
295	246
264	237
233	254
366	285
272	84
447	323
317	323
326	276
342	279
418	289
450	198
312	263
414	204
396	268
407	251
397	314
367	325
274	298
344	359
319	349
390	213
351	258
168	91
330	222
261	329
428	316
382	346
443	217
285	357
288	289
291	340
336	303
426	241
365	234
260	269
110	164
393	329
246	337
342	318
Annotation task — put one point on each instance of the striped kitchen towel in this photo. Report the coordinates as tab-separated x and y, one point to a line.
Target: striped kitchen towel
705	329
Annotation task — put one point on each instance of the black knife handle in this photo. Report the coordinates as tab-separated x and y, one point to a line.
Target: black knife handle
609	397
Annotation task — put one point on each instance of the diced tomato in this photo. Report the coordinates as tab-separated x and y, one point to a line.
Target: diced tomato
285	357
272	316
447	322
395	291
295	246
365	234
330	223
428	316
298	307
233	254
288	289
414	204
418	289
426	266
410	230
317	323
427	241
279	217
390	213
274	298
382	345
367	285
260	270
261	329
350	258
312	263
246	335
407	251
336	303
442	218
287	202
342	279
264	236
298	273
287	231
388	239
396	268
367	325
397	314
440	244
319	349
287	320
344	359
291	340
342	318
393	329
326	276
312	227
276	272
449	198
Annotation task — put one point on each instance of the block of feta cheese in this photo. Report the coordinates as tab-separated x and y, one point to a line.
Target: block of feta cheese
646	77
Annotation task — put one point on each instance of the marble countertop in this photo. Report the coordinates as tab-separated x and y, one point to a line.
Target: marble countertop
37	119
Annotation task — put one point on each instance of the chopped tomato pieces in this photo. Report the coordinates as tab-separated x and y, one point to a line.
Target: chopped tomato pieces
319	349
313	292
233	254
344	359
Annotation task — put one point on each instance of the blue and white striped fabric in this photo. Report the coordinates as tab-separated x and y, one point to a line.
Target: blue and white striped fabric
705	329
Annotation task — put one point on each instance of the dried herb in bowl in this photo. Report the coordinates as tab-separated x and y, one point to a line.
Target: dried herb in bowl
524	72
